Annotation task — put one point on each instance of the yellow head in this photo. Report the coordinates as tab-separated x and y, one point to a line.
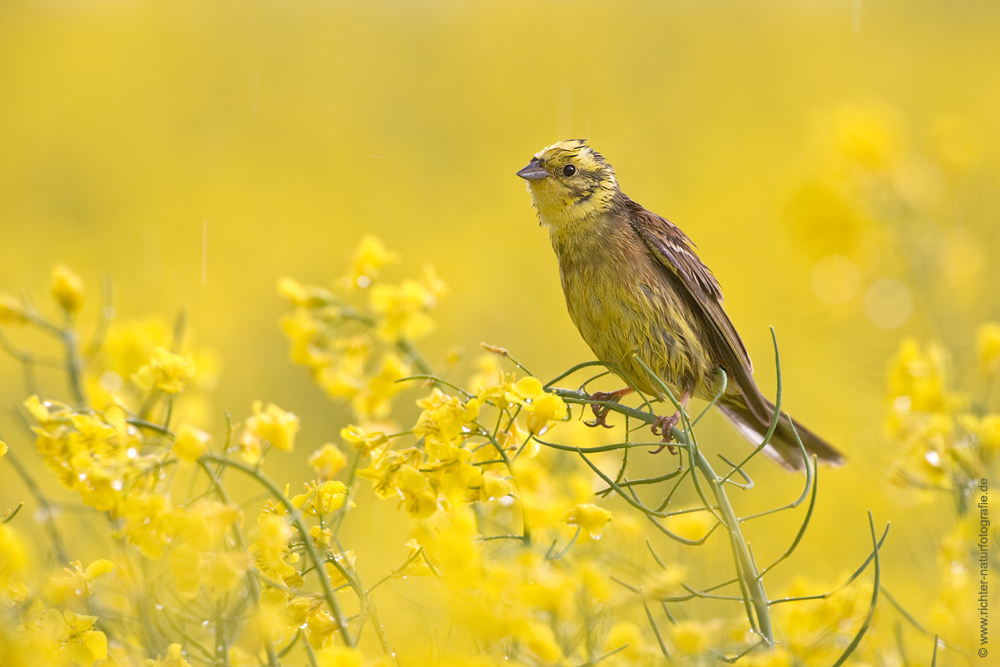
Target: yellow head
569	181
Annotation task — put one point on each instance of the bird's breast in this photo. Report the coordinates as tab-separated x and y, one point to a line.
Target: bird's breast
624	306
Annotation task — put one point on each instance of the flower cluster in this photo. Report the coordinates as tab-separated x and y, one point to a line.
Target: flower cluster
948	438
127	446
354	337
521	535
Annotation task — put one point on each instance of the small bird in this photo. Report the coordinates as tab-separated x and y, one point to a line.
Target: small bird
635	288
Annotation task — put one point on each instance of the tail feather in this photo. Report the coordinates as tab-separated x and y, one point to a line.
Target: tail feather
782	447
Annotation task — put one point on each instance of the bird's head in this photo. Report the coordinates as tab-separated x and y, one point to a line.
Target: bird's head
569	181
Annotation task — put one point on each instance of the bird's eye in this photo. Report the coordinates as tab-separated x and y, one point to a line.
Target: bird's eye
569	170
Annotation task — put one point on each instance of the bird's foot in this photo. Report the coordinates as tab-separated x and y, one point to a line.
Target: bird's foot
601	411
662	427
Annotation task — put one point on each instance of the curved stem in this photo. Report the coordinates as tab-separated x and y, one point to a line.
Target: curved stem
324	580
746	568
252	584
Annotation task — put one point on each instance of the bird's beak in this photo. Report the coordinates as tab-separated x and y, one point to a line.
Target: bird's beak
533	172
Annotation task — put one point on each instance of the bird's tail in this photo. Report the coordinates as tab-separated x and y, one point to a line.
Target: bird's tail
782	447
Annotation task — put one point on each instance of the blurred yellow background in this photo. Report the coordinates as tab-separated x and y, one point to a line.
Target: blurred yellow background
196	151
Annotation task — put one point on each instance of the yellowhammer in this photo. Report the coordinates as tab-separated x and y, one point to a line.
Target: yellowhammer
635	288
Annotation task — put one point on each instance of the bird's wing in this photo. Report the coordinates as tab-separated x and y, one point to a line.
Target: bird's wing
701	290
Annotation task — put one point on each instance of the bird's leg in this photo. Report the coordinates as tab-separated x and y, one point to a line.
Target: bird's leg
601	411
663	424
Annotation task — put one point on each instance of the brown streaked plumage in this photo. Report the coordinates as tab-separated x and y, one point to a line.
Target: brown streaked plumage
635	287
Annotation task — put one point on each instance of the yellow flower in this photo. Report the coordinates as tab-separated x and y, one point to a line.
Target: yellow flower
989	436
13	555
690	637
917	378
551	589
241	658
78	641
867	133
418	496
43	411
190	443
76	581
415	563
988	346
779	657
361	440
270	426
402	310
445	419
541	641
544	410
185	565
594	581
488	373
373	400
145	518
321	499
302	331
271	548
321	628
690	525
223	572
327	461
541	406
496	485
11	311
3	448
666	583
204	524
369	256
166	371
346	561
67	288
301	295
627	635
339	656
174	658
591	518
459	480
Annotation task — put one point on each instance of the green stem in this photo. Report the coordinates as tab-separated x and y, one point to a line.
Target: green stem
252	584
74	366
746	568
749	577
324	580
48	511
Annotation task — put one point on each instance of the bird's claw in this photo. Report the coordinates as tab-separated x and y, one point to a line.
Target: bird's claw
601	411
662	427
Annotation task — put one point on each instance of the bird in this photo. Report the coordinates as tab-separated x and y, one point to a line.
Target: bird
636	290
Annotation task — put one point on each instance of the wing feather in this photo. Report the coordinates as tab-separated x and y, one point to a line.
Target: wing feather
693	280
